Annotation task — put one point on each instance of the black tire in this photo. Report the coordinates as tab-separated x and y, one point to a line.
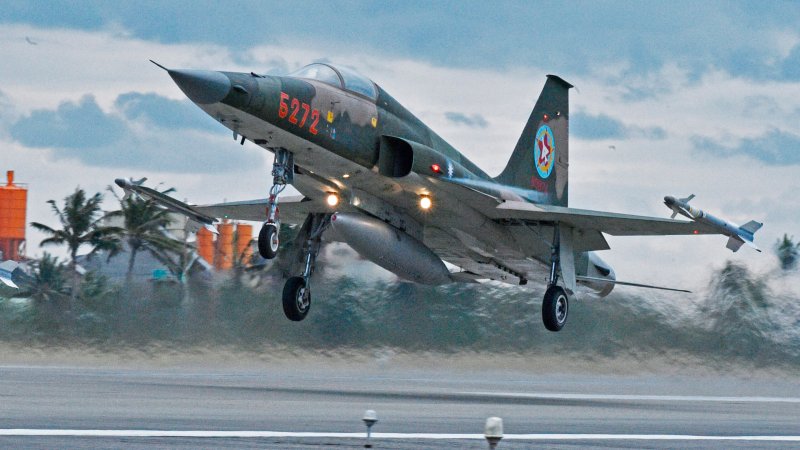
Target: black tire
555	308
268	241
296	299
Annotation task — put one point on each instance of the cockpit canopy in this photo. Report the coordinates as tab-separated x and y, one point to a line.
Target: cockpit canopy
341	77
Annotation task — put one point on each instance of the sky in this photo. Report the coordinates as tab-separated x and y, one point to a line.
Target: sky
671	98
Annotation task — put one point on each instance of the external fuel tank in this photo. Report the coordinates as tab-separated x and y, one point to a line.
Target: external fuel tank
390	248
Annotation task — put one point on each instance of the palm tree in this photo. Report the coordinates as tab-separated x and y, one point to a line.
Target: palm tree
143	230
48	285
48	289
788	252
80	226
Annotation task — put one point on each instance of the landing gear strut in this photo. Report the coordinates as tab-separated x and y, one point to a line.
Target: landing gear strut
297	290
555	305
282	174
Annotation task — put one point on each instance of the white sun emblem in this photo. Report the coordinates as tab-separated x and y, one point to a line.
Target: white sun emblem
449	169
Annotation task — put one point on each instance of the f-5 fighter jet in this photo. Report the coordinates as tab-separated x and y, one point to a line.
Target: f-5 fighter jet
373	175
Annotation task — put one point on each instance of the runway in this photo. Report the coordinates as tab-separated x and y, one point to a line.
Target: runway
301	404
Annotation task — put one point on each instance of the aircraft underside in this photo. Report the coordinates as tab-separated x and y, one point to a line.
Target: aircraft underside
455	232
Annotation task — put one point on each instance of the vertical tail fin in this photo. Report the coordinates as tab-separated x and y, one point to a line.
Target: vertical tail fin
540	160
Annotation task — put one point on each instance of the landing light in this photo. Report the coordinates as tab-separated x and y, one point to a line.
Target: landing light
425	202
347	175
332	199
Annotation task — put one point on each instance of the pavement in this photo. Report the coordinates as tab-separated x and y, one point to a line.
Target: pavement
285	403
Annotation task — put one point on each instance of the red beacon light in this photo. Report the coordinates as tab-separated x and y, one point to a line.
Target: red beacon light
546	118
436	168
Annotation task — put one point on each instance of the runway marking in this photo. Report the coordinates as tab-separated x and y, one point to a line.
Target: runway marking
423	436
633	397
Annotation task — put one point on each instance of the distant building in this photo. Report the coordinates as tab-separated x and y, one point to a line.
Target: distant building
209	256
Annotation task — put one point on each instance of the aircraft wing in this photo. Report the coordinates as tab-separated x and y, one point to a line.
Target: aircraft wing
292	209
614	224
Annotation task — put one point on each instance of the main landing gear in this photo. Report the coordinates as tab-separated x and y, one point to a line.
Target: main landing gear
282	174
555	305
297	290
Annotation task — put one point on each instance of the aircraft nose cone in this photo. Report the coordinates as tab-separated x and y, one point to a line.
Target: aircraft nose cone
669	200
202	86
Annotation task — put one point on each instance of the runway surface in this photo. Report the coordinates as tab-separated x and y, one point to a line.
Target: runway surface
319	405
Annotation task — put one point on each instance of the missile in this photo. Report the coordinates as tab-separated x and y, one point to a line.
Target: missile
6	273
132	187
737	235
389	247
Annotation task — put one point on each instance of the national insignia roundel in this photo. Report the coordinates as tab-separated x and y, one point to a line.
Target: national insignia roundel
544	151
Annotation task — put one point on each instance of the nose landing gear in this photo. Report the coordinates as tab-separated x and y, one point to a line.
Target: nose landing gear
282	174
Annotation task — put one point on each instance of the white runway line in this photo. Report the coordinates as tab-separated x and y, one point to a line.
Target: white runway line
633	397
423	436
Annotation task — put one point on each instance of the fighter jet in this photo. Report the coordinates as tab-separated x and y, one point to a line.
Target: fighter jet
373	175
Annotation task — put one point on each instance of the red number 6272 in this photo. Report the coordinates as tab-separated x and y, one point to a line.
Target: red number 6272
296	106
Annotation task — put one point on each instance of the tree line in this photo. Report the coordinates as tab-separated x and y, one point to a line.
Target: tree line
242	307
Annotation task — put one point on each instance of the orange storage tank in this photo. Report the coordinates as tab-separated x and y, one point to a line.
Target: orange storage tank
205	245
223	258
244	237
13	205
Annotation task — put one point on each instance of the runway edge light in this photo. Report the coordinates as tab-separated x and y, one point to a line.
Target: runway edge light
370	419
493	431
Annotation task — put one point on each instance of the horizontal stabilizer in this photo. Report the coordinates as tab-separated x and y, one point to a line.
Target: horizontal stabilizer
626	283
752	226
687	199
9	266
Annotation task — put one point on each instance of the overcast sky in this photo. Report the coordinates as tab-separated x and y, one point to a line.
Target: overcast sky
672	98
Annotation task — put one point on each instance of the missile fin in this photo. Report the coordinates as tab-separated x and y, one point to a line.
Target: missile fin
734	243
687	199
752	226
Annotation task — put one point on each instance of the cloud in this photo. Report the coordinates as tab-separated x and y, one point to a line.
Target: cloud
473	121
790	68
774	147
7	113
710	33
601	126
70	126
141	136
163	112
715	103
